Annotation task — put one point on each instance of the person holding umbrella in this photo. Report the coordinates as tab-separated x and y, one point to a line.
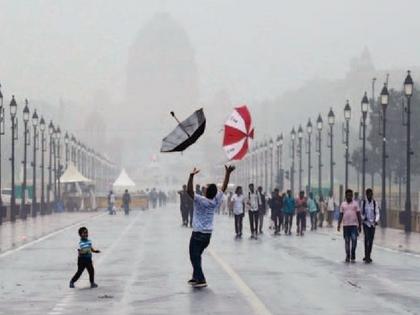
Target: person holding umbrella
204	209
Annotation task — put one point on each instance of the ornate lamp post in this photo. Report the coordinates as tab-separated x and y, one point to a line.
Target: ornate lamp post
319	126
364	107
265	154
292	168
66	142
408	91
43	149
280	141
1	134
59	165
309	131
23	212
300	138
34	199
13	109
384	103
331	122
271	145
50	164
347	116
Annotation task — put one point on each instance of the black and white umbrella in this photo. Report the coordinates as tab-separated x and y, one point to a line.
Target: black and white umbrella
186	133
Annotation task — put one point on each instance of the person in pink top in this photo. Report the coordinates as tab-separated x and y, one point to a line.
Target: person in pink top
352	224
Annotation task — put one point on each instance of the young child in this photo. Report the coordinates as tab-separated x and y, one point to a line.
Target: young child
84	259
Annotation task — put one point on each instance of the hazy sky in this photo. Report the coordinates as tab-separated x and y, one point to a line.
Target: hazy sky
254	49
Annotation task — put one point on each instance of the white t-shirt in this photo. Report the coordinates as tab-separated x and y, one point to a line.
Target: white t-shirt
238	204
252	201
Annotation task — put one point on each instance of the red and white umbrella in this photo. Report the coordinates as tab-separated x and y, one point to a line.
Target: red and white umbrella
238	133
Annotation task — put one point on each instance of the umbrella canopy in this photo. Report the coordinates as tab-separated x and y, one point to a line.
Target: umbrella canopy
72	175
186	133
238	133
124	180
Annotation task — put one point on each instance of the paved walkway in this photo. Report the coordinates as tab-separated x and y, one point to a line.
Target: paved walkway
144	266
21	232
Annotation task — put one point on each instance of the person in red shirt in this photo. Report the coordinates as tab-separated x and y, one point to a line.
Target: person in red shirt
301	205
352	224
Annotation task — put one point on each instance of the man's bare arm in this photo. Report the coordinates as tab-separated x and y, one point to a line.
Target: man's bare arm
228	170
190	185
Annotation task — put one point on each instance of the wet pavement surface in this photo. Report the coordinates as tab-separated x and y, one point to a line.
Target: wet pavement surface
144	266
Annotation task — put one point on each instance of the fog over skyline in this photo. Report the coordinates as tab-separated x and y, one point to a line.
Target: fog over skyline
254	50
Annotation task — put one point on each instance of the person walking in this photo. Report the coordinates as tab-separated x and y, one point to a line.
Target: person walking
126	202
84	259
313	211
276	205
230	203
330	209
238	202
323	210
301	206
204	210
289	206
262	208
370	216
252	205
185	204
352	221
111	203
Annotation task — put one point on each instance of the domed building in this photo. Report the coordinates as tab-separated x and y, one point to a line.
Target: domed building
161	76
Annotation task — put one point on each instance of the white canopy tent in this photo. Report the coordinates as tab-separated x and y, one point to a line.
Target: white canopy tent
72	175
123	182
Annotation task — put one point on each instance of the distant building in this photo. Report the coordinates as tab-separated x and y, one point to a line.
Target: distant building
161	76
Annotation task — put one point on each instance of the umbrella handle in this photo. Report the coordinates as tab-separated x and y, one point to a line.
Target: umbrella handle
183	129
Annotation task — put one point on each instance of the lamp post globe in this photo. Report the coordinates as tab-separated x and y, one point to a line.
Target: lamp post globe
309	127
347	111
331	117
364	104
408	85
26	112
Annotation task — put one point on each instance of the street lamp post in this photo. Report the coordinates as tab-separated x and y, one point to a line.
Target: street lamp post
384	103
347	116
408	91
66	142
265	152
331	121
319	126
364	108
59	166
300	138
292	168
23	213
271	145
34	199
50	164
279	161
309	131
1	134
13	109
43	149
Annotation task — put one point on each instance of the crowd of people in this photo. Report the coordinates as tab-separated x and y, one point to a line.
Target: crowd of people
353	215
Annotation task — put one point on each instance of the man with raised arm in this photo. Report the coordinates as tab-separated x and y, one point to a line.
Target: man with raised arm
204	209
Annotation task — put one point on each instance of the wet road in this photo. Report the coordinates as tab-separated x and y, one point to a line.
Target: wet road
144	266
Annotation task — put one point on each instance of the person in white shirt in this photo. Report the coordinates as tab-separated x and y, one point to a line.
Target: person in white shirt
330	209
370	218
252	205
238	202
